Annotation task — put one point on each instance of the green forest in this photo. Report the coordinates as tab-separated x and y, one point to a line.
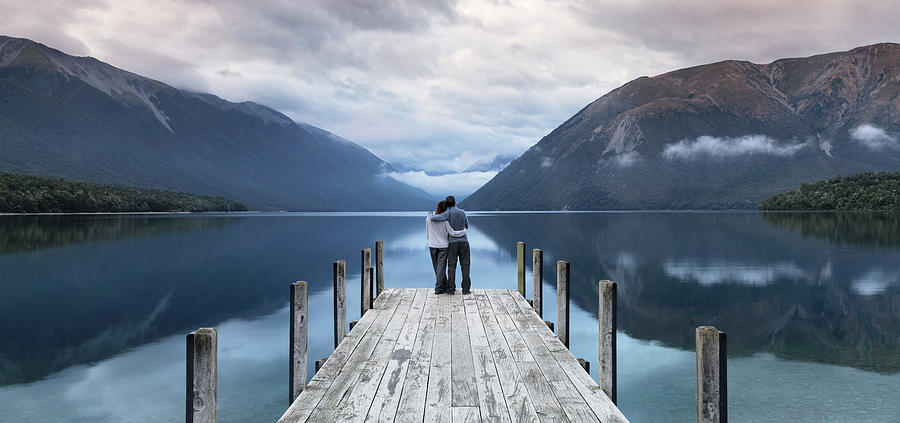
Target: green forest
32	194
865	191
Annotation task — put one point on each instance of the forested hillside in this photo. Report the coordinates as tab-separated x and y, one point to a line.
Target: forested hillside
865	191
32	194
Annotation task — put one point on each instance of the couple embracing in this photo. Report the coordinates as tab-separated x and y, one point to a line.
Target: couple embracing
446	230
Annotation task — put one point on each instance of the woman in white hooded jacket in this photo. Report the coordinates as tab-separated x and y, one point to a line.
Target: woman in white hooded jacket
438	234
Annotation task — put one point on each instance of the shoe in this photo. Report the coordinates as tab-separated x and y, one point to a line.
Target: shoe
438	292
453	292
466	292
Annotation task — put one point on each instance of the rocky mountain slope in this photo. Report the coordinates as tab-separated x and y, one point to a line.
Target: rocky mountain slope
82	119
722	135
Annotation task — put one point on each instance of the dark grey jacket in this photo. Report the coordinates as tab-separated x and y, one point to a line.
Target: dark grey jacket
458	221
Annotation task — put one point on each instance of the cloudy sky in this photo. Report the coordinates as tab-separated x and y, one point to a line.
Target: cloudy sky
437	84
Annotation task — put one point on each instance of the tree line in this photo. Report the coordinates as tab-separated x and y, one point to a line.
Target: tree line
33	194
864	191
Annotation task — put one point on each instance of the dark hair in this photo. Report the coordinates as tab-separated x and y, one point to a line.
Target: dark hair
441	207
450	200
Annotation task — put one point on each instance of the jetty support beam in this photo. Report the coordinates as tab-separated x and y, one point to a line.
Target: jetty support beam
340	301
299	331
712	394
606	317
562	301
200	391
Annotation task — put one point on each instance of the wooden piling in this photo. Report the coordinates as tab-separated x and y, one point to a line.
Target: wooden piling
299	331
606	316
202	376
537	270
712	381
319	363
562	301
340	301
365	283
520	265
586	365
371	287
379	267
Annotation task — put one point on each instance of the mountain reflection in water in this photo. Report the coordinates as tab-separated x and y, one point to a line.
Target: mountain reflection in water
95	301
770	289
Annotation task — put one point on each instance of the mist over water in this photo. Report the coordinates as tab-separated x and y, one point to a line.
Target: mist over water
96	307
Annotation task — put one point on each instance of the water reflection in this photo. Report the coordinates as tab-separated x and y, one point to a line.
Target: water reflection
771	290
100	291
96	308
870	229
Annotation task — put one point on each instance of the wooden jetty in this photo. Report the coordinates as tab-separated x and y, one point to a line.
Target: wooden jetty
416	356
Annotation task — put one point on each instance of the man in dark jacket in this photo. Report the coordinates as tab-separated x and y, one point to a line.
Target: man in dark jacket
459	247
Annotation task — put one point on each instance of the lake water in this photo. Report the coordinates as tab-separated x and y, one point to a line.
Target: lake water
94	309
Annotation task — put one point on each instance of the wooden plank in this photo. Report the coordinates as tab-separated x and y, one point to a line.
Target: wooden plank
349	374
572	402
492	403
387	396
465	414
325	378
438	399
539	390
601	406
518	404
356	403
415	387
462	377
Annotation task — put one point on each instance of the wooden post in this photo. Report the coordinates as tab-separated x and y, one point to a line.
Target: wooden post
365	283
299	330
606	316
319	363
371	283
379	267
586	365
520	264
201	376
712	381
340	301
537	270
562	301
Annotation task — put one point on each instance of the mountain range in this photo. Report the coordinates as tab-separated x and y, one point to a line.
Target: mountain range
721	135
82	119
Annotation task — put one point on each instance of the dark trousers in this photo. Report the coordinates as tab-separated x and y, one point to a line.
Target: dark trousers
439	262
460	251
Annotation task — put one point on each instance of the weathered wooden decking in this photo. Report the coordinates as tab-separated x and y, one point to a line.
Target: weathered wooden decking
417	356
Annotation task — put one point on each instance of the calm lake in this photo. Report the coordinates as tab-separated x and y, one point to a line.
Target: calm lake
94	309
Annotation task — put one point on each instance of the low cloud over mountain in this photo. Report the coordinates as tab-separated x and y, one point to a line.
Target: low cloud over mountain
707	147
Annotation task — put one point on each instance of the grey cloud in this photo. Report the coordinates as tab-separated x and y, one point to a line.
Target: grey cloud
700	31
418	82
720	148
402	15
